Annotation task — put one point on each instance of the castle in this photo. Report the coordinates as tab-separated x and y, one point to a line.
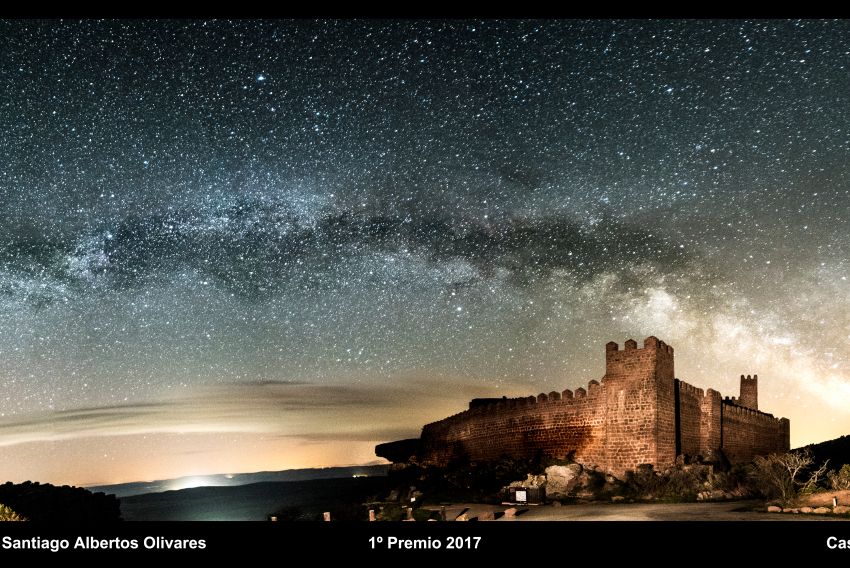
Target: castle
638	414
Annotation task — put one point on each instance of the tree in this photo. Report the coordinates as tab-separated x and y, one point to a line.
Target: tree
815	476
840	480
7	514
779	475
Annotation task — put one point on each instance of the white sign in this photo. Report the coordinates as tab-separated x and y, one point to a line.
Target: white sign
521	496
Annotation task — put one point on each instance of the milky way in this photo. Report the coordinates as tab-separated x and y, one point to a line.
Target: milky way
233	246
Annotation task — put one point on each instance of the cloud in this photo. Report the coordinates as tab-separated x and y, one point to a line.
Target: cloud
275	382
365	435
278	408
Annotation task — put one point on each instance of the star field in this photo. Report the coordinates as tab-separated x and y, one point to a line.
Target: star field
232	246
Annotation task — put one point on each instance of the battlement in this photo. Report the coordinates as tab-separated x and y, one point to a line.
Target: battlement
732	404
690	389
567	396
650	342
654	360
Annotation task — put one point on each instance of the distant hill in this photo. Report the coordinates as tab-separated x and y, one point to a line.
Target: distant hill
306	500
837	451
236	479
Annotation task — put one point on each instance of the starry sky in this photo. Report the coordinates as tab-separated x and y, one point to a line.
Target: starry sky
256	245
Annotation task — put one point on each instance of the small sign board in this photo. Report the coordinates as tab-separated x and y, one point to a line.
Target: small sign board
521	496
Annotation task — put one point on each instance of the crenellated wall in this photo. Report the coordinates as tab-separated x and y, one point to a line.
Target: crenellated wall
554	424
638	414
747	433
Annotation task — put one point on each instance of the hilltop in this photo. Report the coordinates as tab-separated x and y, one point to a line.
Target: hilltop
837	451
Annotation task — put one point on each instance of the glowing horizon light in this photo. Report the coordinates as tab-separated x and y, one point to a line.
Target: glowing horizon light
192	482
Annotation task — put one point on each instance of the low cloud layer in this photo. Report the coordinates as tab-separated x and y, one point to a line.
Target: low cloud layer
277	408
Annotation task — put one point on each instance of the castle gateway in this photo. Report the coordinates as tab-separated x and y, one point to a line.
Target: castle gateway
638	414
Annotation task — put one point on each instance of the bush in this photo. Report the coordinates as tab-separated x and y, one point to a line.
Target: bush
426	515
780	476
677	484
682	484
840	480
391	512
643	482
7	514
736	480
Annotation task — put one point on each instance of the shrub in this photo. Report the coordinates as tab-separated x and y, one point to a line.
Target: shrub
737	480
7	514
682	484
840	480
391	512
779	476
643	482
426	514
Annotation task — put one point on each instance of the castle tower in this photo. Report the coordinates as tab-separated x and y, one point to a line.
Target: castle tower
749	392
639	387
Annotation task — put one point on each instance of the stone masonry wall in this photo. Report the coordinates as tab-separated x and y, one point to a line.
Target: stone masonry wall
556	424
710	425
690	419
748	433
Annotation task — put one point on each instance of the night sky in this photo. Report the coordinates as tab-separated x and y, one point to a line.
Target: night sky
241	246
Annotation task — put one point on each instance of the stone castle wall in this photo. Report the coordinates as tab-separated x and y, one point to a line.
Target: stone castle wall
748	433
639	413
555	424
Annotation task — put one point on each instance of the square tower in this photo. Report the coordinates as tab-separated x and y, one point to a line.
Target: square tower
641	417
749	392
